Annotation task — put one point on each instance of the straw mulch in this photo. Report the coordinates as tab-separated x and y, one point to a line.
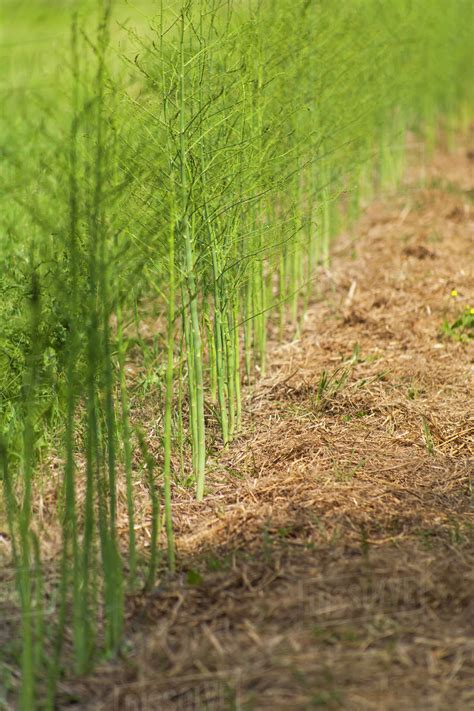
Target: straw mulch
332	562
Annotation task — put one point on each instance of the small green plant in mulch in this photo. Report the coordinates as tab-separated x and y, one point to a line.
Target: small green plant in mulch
462	328
427	436
329	385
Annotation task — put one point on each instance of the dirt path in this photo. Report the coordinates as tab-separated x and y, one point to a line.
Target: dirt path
332	565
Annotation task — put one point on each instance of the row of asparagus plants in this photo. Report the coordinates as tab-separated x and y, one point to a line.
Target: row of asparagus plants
206	174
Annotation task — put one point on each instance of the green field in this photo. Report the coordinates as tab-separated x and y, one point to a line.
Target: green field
172	178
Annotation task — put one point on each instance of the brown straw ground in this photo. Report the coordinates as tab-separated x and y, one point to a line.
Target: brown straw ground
332	562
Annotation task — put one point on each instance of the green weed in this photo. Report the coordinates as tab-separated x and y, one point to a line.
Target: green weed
462	328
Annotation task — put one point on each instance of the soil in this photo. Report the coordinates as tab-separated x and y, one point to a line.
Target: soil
332	562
